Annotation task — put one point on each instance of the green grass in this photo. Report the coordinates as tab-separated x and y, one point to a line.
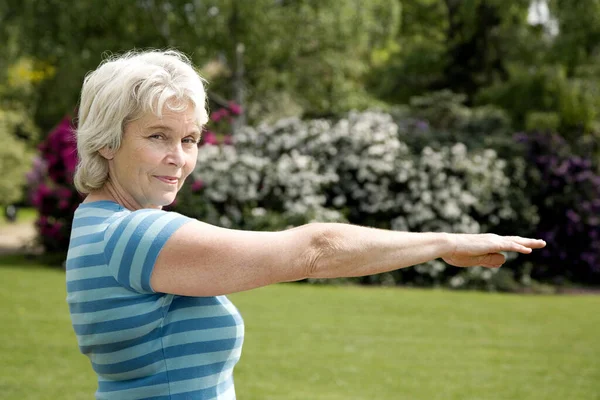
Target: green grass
317	343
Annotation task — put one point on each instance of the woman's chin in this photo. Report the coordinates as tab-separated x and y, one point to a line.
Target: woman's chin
165	200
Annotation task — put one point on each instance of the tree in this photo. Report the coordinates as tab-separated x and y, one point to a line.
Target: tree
310	56
454	44
577	43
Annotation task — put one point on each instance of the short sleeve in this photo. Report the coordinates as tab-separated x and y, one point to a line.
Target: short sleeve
133	243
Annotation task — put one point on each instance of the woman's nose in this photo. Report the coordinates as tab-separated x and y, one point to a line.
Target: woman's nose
176	155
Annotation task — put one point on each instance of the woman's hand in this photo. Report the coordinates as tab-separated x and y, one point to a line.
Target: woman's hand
484	249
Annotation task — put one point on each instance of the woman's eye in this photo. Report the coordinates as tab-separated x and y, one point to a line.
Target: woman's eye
190	140
157	136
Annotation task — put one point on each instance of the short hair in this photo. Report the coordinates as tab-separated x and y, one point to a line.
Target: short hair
122	89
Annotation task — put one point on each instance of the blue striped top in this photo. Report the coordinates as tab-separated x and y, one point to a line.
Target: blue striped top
143	344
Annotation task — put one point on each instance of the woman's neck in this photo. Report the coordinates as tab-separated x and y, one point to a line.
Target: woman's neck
109	192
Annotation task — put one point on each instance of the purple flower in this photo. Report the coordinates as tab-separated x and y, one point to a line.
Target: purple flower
568	200
520	137
422	125
197	185
573	217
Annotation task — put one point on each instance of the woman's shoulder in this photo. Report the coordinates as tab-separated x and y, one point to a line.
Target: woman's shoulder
113	224
110	211
97	212
99	207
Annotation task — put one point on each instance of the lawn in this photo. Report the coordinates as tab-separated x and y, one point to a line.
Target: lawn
316	343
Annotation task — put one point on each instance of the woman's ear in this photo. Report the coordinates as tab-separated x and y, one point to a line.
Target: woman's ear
107	152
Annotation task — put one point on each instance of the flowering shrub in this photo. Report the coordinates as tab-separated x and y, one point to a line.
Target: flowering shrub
454	190
51	187
356	170
566	189
219	127
235	188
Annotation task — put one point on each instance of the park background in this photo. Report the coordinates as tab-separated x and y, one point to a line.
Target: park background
422	115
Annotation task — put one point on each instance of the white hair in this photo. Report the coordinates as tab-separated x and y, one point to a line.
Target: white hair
123	89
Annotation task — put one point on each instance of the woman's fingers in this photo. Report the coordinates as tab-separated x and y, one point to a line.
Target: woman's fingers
519	244
492	260
485	249
526	242
520	248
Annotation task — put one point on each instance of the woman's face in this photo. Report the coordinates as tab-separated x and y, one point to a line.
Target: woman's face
155	157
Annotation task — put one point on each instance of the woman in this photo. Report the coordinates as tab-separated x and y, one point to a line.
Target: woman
146	287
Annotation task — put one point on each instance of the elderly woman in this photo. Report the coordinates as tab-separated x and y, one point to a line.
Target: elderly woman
146	288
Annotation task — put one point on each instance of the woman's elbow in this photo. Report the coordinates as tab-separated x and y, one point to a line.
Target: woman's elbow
322	243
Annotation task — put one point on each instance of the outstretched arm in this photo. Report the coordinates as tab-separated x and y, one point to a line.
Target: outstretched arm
204	260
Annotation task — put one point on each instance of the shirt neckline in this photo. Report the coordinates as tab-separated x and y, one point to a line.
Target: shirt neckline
99	203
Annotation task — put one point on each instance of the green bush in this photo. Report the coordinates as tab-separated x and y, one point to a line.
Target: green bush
442	118
575	101
15	158
542	121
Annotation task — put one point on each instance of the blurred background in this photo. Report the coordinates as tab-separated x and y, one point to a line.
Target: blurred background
421	115
457	115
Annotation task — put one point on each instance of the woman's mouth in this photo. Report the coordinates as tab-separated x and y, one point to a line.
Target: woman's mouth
168	179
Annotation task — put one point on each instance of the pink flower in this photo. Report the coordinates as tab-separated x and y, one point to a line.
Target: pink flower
69	156
42	220
210	138
39	195
235	108
228	139
197	185
219	114
53	230
64	193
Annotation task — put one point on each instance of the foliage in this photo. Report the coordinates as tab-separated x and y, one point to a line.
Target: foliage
14	157
442	119
52	191
17	130
414	59
542	121
325	58
312	57
321	59
13	162
574	101
566	189
578	23
548	178
355	169
453	44
446	115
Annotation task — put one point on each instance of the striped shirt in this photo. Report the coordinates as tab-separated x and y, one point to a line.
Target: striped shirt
143	344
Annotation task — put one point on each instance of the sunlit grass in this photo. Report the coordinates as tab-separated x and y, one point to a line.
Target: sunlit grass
312	343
